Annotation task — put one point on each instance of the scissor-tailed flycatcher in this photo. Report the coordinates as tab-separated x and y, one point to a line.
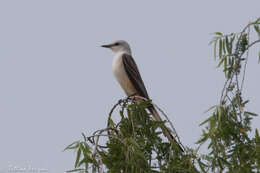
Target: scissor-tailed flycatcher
127	74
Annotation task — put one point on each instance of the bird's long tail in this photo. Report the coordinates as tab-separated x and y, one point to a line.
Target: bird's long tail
165	130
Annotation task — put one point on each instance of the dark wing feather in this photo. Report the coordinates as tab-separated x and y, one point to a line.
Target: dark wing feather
134	75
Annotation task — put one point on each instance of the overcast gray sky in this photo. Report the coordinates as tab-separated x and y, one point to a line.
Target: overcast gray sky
56	81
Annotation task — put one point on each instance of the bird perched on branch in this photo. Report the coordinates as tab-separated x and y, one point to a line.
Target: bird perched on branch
127	74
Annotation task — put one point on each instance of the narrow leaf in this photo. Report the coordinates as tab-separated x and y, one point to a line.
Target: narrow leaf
215	51
259	57
221	62
228	46
225	63
75	170
218	33
77	158
74	145
251	113
212	107
257	30
207	120
220	48
219	112
224	46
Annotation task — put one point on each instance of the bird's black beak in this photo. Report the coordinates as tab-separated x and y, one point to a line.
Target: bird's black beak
107	46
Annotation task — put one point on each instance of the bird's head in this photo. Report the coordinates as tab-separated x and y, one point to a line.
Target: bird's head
118	46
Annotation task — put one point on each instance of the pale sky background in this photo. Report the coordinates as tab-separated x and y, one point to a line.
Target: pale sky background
56	81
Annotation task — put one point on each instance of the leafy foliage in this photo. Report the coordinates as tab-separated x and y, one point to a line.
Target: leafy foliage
228	129
135	143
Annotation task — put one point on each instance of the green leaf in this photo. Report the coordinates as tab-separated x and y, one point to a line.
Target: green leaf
215	51
221	61
251	113
207	120
220	48
213	40
212	126
83	161
202	165
219	112
224	46
212	107
231	42
225	63
257	30
75	170
77	158
257	134
219	33
245	102
74	145
259	57
228	47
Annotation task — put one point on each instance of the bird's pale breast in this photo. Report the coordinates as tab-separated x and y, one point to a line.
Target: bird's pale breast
121	75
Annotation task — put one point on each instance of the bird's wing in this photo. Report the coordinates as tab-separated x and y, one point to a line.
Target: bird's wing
134	75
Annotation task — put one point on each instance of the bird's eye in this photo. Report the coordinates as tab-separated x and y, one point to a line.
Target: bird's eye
116	44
